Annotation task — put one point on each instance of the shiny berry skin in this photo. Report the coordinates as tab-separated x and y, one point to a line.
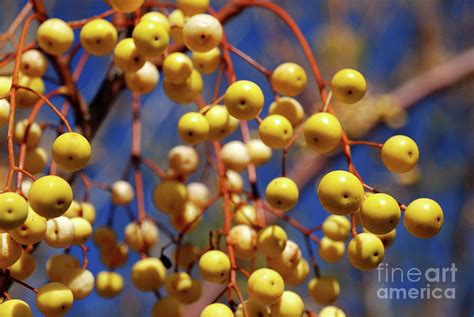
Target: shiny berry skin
286	261
55	36
289	305
331	251
35	160
176	20
56	202
207	62
27	99
186	92
122	193
192	7
11	250
170	196
235	156
253	309
126	6
265	286
32	138
141	236
337	228
71	151
297	276
193	128
157	17
168	306
151	38
4	112
259	152
282	193
202	33
380	213
399	154
82	230
246	215
108	284
217	309
80	281
244	240
365	251
144	80
331	311
289	79
186	219
127	57
272	240
98	37
183	159
148	274
33	63
31	231
288	107
215	266
340	192
275	131
244	100
348	86
322	132
54	299
177	67
423	218
13	210
59	232
198	194
324	290
218	118
15	308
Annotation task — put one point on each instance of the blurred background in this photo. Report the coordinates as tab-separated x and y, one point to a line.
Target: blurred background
392	43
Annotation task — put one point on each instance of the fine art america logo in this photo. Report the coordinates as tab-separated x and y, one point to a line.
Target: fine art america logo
431	283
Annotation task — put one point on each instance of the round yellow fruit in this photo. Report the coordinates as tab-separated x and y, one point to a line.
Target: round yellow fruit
289	305
55	36
56	202
322	132
207	62
272	240
13	210
244	100
336	227
109	284
282	193
98	37
348	86
289	79
275	131
289	108
71	151
54	299
151	38
31	231
380	213
127	57
216	310
365	251
215	267
324	290
265	286
423	218
202	33
148	274
400	154
170	196
15	308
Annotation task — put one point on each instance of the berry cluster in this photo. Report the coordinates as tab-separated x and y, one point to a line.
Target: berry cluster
38	207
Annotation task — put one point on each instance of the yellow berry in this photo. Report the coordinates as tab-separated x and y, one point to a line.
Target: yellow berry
218	118
331	251
59	232
380	213
216	310
324	290
423	218
176	20
122	193
59	266
386	238
331	311
35	160
114	256
127	57
215	267
244	240
141	236
84	209
289	305
80	281
207	62
144	80
265	286
13	210
193	127
186	219
126	6
246	215
177	284
71	151
253	309
82	230
336	227
4	111
400	154
192	7
275	131
108	284
33	63
57	201
54	299
286	261
148	274
24	267
32	138
235	183
289	108
98	37
365	251
157	17
259	152
25	98
297	276
340	192
282	193
322	132
235	156
244	100
151	38
348	86
183	160
202	33
289	79
15	308
11	250
170	196
31	231
177	67
272	240
185	92
55	36
168	306
5	85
